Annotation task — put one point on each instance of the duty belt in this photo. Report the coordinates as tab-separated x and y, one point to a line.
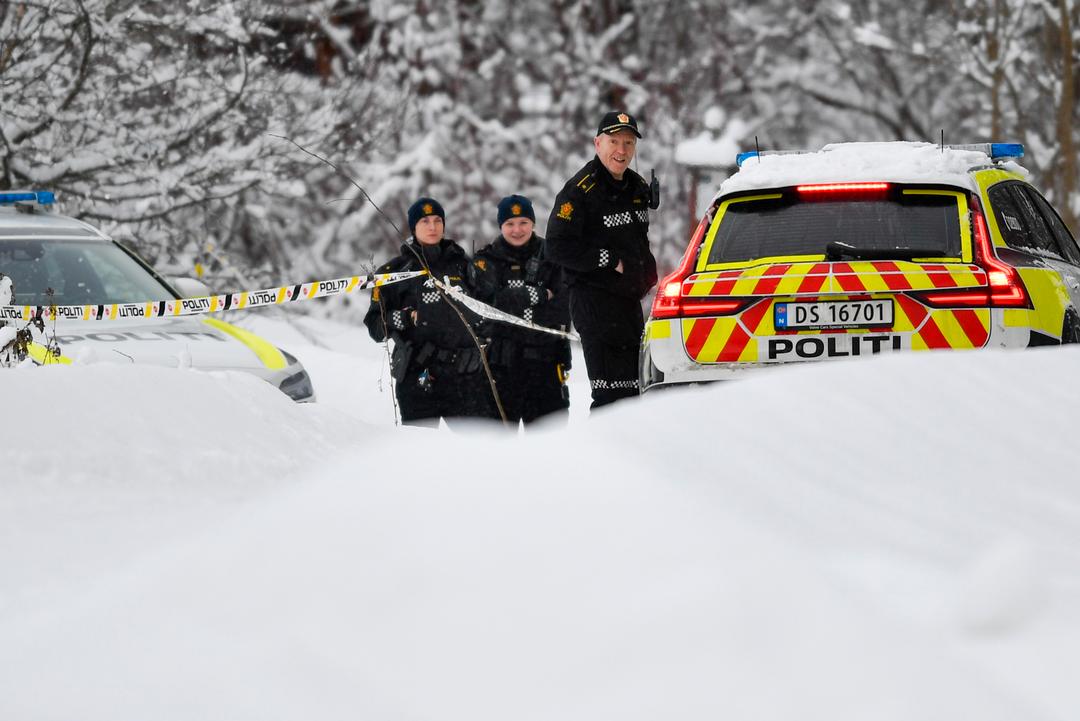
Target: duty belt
449	356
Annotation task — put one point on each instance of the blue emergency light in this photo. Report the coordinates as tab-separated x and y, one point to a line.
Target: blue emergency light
1006	150
996	151
744	156
41	197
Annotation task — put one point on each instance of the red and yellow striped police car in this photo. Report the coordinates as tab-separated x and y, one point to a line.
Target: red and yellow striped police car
865	248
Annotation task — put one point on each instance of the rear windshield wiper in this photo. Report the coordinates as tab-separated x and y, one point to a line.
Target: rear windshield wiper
838	251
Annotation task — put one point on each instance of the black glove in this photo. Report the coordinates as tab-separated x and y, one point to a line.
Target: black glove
532	270
520	295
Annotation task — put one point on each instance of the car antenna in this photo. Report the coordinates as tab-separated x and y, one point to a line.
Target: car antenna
757	148
943	140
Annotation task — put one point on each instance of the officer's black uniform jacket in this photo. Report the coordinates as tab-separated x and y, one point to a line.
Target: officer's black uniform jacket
598	221
438	331
517	280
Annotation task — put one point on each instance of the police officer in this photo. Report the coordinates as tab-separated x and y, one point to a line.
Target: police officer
511	274
435	364
599	232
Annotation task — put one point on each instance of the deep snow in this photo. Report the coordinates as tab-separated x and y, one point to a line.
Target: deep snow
890	538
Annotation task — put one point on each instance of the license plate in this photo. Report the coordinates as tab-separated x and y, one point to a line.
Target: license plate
834	314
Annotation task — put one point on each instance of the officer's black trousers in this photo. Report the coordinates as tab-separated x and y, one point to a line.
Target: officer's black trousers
530	389
442	391
610	327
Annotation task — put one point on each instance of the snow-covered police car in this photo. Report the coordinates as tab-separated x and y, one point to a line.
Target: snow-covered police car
864	248
57	260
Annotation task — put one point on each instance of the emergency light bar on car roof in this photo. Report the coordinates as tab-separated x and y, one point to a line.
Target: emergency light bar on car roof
996	151
41	197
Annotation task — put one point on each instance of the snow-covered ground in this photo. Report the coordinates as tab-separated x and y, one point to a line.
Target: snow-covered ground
891	538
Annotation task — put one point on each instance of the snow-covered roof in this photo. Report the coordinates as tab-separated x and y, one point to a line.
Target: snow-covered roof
707	150
16	224
716	146
897	162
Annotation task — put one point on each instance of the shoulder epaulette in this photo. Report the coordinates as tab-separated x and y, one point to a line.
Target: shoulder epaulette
586	182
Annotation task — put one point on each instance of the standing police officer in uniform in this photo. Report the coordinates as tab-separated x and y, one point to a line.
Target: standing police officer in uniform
599	232
436	365
511	274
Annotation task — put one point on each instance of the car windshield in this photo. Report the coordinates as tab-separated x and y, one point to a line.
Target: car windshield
787	225
78	272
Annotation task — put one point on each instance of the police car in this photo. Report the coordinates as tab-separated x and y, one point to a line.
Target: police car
57	260
865	248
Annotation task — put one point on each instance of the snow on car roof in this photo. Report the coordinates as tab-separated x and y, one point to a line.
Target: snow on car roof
897	162
14	224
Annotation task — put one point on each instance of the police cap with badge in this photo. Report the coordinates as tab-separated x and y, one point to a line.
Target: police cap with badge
615	121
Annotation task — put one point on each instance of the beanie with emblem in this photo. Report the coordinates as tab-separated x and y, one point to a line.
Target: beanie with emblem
515	206
422	208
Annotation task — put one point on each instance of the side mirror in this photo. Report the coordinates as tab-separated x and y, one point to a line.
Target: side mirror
190	287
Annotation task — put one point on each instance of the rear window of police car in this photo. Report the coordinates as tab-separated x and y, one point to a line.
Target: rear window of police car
792	225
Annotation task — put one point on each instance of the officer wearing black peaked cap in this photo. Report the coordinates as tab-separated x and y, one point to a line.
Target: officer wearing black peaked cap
598	232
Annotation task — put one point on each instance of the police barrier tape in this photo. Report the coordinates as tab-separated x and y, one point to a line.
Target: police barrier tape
177	307
492	313
245	300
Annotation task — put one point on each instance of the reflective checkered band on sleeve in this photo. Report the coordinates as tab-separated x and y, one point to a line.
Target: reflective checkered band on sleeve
534	295
605	257
516	283
528	315
397	320
616	219
603	385
642	216
431	297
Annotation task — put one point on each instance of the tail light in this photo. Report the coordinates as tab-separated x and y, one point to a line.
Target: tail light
668	300
713	306
1004	286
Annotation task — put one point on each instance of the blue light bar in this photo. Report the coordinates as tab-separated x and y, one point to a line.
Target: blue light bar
1006	150
996	151
759	154
41	197
743	157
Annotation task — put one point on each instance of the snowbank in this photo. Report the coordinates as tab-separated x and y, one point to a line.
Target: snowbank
892	538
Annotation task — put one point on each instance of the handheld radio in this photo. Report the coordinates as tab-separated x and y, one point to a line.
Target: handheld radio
654	190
